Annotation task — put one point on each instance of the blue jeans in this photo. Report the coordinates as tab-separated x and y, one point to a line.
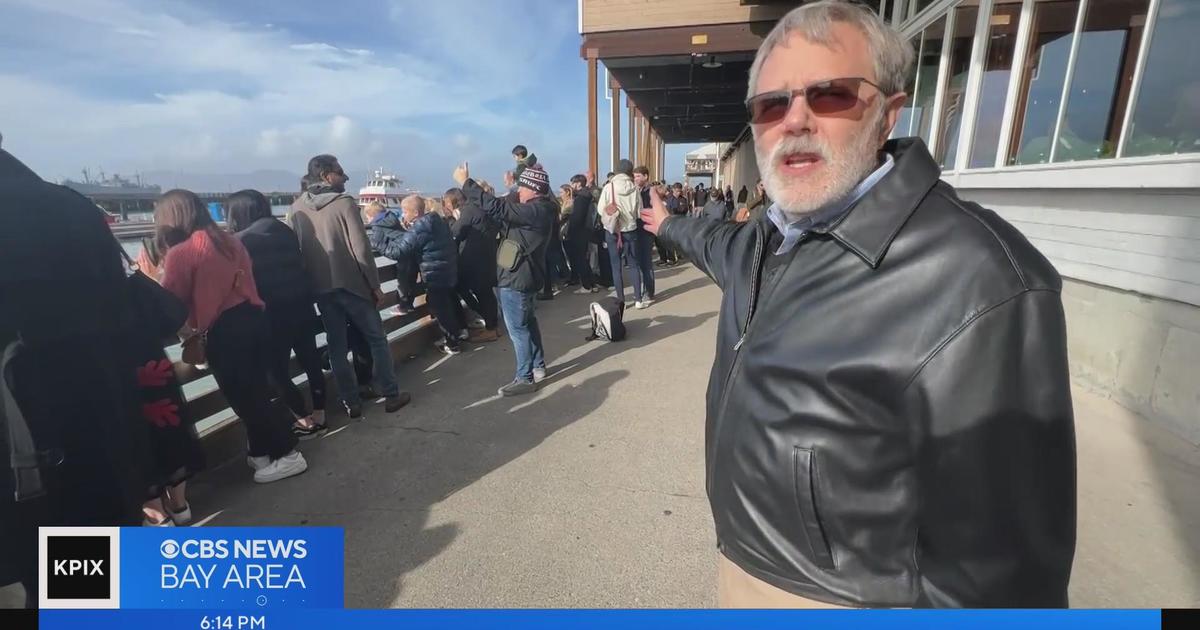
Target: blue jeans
337	308
522	324
637	244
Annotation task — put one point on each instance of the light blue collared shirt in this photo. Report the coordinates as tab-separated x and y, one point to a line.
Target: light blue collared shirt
830	212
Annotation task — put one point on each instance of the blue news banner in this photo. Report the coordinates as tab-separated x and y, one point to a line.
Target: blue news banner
293	578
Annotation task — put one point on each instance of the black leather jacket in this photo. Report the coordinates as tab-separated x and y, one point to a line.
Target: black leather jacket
889	413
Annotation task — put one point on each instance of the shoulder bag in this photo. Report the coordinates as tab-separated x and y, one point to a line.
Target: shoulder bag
509	253
195	347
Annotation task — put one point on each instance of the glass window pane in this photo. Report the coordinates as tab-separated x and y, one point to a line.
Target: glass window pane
1043	74
956	83
904	123
916	117
927	75
1100	84
1167	117
997	64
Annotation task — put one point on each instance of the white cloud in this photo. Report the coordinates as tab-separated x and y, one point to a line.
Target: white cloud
222	97
314	46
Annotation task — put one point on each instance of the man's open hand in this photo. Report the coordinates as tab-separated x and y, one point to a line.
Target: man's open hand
653	217
462	174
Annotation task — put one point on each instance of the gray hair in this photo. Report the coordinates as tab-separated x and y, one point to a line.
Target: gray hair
414	200
893	56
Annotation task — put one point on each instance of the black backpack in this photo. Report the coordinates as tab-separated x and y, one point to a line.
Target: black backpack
607	315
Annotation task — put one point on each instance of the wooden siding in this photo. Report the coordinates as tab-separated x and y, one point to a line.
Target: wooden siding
626	15
1146	242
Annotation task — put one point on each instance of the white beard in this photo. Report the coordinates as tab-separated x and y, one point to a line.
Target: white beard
842	170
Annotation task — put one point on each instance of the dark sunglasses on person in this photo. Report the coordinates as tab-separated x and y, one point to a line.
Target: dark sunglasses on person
831	96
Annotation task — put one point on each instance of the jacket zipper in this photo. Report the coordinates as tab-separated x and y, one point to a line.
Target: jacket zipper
754	274
737	348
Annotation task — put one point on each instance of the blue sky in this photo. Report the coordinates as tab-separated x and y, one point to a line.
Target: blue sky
229	86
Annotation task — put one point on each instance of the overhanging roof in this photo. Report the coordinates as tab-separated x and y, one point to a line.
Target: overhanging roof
683	100
663	73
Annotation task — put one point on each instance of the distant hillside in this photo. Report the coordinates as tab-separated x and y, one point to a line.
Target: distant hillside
265	180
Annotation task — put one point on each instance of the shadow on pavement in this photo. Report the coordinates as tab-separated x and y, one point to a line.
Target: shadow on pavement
382	477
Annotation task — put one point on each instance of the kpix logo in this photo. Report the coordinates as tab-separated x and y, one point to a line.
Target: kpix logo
79	567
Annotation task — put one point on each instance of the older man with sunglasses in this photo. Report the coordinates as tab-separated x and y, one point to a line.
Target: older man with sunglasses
889	413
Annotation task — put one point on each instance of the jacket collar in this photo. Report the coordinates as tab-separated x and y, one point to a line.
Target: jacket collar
869	227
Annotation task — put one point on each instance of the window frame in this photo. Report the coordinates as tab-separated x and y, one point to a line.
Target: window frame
1157	171
1020	52
1139	73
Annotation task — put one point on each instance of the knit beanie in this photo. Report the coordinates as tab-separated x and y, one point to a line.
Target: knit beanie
535	179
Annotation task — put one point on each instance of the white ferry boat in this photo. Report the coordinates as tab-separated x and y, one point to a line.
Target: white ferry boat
384	188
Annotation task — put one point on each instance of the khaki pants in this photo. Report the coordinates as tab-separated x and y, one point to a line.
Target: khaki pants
738	589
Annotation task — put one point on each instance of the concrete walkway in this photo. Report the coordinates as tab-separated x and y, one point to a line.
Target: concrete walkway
590	493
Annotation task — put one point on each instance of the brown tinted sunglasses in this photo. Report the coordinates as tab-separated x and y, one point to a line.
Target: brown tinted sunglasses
831	96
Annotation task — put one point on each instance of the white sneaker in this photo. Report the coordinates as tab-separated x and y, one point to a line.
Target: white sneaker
539	375
647	302
181	518
258	463
640	304
289	465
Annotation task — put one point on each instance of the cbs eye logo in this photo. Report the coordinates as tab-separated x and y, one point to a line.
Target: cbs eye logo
169	549
79	567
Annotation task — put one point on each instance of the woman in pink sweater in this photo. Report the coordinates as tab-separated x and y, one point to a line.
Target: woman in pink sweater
210	271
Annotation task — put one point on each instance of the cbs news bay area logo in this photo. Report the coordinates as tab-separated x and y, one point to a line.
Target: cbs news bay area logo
99	567
180	573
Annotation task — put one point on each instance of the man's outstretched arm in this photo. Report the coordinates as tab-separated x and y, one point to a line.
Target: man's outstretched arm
705	242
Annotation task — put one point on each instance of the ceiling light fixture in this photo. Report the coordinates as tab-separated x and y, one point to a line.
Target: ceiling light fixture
712	62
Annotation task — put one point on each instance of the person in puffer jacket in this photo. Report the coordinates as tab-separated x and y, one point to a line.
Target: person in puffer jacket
406	271
429	243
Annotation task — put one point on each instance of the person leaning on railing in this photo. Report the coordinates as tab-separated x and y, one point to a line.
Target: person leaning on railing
338	257
285	288
210	271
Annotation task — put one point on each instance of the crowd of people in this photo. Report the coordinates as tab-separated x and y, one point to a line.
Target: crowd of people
889	417
244	298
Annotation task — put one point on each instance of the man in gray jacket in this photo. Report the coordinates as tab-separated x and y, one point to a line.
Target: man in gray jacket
338	257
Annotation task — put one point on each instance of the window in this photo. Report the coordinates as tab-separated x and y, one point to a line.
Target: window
1101	80
904	122
927	75
1043	74
1166	118
916	6
956	83
929	57
997	66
